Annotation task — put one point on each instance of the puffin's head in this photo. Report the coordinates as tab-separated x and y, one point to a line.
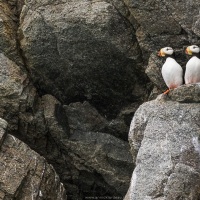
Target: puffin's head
192	49
166	51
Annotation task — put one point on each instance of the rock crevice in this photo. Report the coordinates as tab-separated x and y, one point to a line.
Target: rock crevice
72	76
25	174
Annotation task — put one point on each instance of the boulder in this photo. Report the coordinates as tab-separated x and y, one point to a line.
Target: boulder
13	89
84	157
24	174
73	74
189	93
164	138
102	156
84	117
47	126
83	51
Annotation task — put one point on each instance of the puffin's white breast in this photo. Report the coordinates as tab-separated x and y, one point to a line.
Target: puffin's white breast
172	73
192	73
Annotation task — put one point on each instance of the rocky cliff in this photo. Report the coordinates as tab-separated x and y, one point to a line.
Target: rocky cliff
24	174
73	73
164	138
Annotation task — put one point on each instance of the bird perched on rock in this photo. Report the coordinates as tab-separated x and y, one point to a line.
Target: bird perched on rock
172	72
192	72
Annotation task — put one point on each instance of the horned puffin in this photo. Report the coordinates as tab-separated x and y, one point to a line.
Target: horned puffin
172	72
192	72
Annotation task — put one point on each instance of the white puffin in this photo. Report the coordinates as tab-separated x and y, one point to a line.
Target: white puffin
192	72
172	72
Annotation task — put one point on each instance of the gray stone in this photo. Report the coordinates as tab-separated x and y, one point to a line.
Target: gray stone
8	33
12	90
12	78
153	71
187	93
83	50
23	173
84	117
146	13
90	56
179	9
105	155
164	138
83	158
46	126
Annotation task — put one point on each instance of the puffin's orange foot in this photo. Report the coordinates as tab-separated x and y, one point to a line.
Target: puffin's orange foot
166	92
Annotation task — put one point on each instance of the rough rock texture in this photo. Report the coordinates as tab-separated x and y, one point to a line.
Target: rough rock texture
8	28
86	160
83	50
101	154
67	136
187	93
73	74
23	173
164	138
154	71
83	116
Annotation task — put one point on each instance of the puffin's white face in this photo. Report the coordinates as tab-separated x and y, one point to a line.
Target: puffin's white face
192	49
165	51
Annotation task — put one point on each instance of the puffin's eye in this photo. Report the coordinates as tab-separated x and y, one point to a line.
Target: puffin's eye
168	49
195	47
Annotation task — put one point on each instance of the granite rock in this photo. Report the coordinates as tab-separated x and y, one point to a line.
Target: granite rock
72	75
83	50
24	174
164	139
186	94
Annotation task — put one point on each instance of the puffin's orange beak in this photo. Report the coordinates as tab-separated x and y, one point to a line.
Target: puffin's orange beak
187	51
159	53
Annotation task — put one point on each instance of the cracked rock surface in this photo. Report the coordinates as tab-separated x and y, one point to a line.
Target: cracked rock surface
83	50
73	73
84	147
23	173
165	144
186	94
